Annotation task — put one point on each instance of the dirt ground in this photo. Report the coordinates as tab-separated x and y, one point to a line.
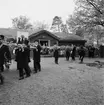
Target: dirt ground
68	83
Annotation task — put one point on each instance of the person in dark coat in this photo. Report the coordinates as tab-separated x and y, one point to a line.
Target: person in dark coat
91	51
36	57
67	52
15	50
4	53
81	53
22	60
56	54
73	53
26	42
19	40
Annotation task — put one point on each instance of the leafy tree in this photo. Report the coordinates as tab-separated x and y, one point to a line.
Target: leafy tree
11	40
58	25
40	25
88	15
79	31
21	22
64	28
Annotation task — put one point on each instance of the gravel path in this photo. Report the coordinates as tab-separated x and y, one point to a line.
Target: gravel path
68	83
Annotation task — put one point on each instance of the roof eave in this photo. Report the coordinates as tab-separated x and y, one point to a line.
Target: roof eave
52	35
71	40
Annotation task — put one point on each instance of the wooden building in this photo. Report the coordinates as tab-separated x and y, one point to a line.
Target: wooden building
49	38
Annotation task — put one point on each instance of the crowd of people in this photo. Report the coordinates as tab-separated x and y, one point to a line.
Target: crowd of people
70	52
22	57
21	53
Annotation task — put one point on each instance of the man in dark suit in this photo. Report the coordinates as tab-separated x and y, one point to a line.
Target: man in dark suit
67	52
56	53
81	52
73	53
22	59
26	42
36	57
4	53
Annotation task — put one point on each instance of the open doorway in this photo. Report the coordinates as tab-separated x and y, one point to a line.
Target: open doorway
43	43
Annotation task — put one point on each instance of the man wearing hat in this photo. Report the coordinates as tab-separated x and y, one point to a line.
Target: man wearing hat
4	52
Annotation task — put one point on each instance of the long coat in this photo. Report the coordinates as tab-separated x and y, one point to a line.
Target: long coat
81	51
67	51
4	54
56	53
36	53
73	51
22	57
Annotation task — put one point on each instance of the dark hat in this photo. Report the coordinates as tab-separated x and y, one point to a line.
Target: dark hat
2	37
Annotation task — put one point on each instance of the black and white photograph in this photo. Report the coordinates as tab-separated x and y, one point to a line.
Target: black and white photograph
52	52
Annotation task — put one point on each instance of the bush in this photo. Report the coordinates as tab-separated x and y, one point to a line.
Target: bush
11	40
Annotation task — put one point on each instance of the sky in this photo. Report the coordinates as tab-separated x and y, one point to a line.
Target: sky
35	10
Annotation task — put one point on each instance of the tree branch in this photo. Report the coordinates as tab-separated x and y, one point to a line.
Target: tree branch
94	5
